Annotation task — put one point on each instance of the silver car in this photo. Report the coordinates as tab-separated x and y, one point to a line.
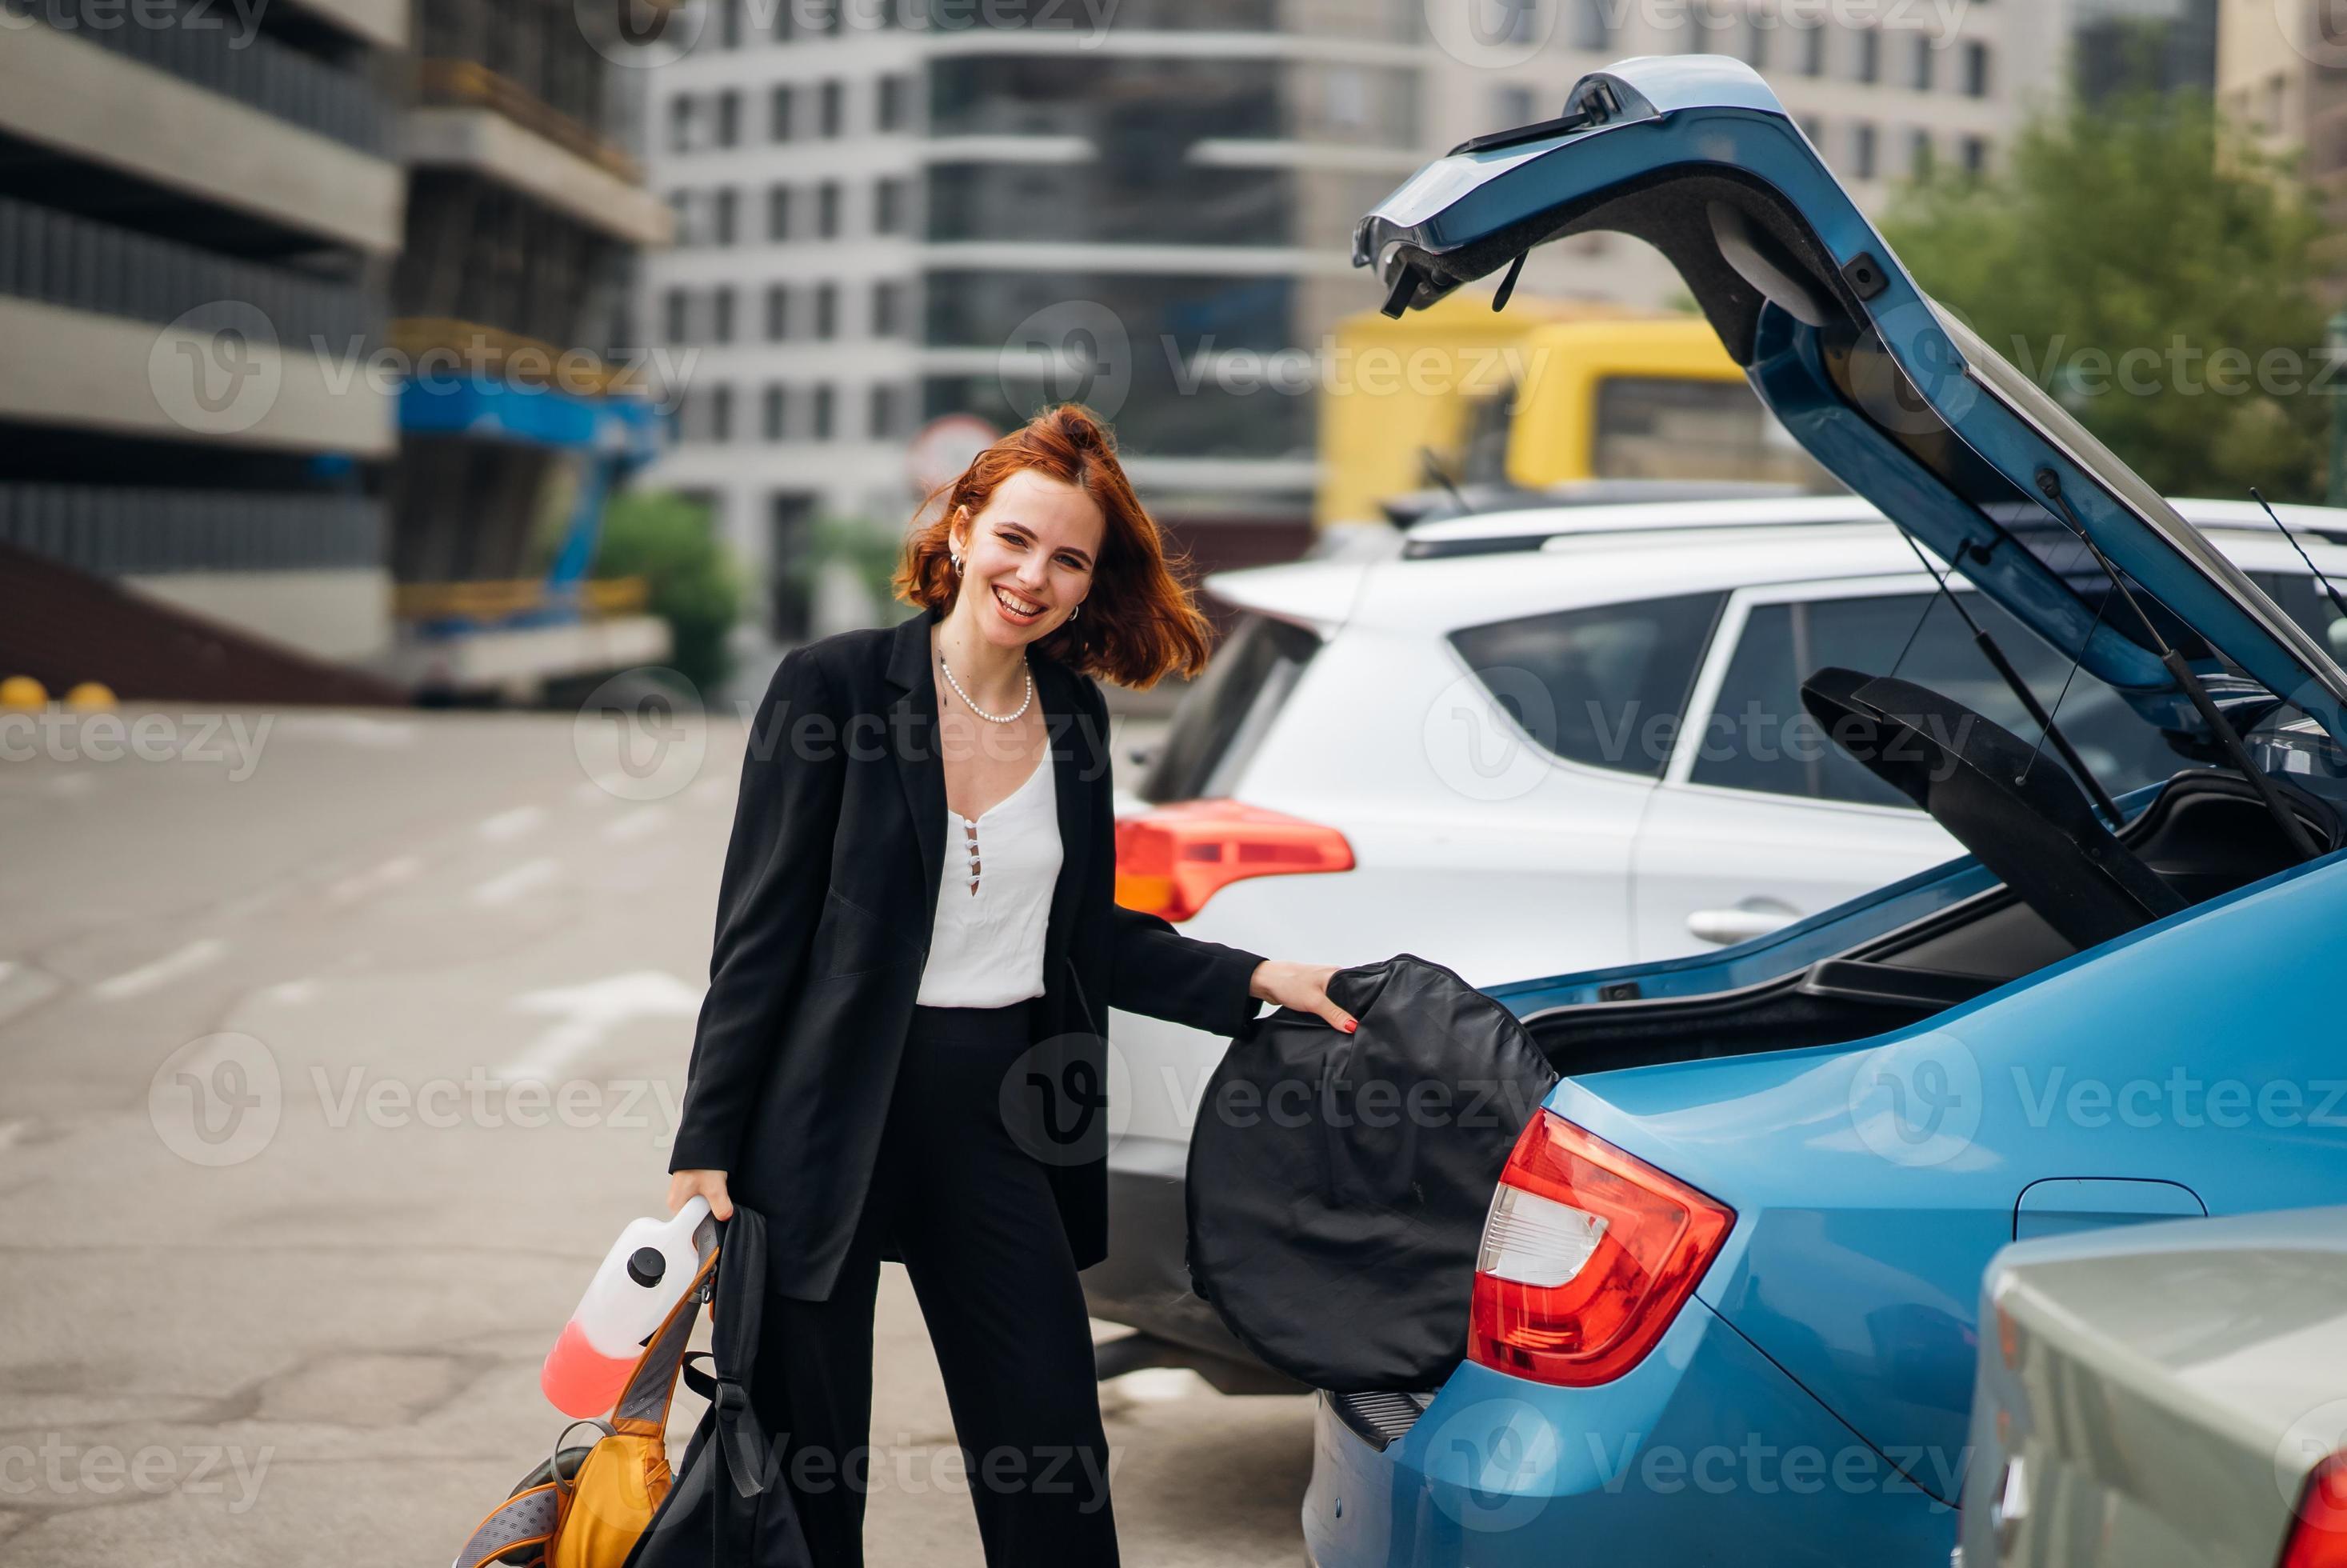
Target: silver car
2162	1394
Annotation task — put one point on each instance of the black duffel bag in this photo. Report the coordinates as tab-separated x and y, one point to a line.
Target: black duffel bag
1338	1181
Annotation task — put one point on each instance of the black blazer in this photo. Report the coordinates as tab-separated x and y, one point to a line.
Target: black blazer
824	918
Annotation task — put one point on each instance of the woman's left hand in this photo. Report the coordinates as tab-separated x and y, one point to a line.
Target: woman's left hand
1304	987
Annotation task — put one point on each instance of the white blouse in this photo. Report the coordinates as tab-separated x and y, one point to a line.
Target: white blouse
994	902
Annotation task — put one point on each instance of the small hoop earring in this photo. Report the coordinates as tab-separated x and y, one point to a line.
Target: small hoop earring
957	562
1075	612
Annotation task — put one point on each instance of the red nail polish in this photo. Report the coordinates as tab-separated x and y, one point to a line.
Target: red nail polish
1352	1024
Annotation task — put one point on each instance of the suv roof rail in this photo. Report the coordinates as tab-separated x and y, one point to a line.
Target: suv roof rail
1418	507
1532	527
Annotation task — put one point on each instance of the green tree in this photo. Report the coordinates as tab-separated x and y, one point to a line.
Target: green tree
2153	272
693	584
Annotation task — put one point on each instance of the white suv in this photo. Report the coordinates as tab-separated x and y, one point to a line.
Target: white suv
1553	740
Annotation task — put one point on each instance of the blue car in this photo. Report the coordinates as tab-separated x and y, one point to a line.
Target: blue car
1726	1305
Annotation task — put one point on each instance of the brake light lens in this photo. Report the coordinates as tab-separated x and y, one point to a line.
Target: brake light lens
2317	1534
1170	861
1588	1255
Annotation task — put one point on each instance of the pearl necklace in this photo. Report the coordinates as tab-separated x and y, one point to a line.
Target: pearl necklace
990	718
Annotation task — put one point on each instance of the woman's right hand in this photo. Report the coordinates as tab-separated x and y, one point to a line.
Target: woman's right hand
710	1184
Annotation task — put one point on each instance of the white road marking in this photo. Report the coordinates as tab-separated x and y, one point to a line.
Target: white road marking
509	885
586	1014
642	820
389	874
508	826
196	955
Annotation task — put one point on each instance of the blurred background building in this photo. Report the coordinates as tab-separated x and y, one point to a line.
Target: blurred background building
524	214
895	212
197	228
226	246
2281	77
328	343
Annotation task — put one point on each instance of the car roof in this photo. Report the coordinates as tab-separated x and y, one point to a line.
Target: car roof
1490	566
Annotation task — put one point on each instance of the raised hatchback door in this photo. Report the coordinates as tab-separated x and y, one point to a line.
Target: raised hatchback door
1695	156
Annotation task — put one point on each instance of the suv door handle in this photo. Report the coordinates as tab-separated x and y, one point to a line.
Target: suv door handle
1753	917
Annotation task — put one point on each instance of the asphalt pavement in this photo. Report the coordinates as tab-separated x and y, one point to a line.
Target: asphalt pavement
288	1221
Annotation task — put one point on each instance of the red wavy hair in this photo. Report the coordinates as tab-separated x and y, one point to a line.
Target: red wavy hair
1139	622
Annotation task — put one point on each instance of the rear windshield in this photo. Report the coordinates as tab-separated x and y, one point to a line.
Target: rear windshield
1226	715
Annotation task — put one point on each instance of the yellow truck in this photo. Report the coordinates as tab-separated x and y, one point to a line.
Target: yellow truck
1544	394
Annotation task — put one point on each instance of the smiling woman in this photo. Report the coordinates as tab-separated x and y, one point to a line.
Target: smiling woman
902	1053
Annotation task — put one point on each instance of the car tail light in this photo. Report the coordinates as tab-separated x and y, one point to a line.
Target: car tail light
1170	861
2318	1535
1588	1254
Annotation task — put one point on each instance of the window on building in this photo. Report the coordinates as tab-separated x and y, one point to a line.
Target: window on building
727	201
778	212
778	312
1925	58
831	104
773	411
1512	106
721	315
676	312
1592	23
887	310
881	414
680	207
1977	83
889	207
1976	155
729	26
826	310
778	110
1814	128
1869	56
684	122
1864	154
728	118
895	102
1507	21
822	421
1756	45
1919	153
1813	50
826	210
721	412
824	16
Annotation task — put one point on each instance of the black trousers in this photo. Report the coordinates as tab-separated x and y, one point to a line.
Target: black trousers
972	1217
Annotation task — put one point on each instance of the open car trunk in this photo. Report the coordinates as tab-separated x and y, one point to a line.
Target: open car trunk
2206	833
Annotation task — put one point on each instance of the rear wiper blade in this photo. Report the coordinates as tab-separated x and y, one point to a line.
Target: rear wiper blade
2049	484
2020	689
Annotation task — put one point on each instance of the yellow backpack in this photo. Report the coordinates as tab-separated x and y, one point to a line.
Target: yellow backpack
587	1506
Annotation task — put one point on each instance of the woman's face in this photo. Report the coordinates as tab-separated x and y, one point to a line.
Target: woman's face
1027	558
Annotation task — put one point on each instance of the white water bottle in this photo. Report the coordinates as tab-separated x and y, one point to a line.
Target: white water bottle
642	1278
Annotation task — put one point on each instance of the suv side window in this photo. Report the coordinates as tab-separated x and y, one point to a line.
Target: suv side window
1759	738
1605	687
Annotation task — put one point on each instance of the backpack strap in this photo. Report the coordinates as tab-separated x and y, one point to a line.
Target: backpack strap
643	1404
526	1519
